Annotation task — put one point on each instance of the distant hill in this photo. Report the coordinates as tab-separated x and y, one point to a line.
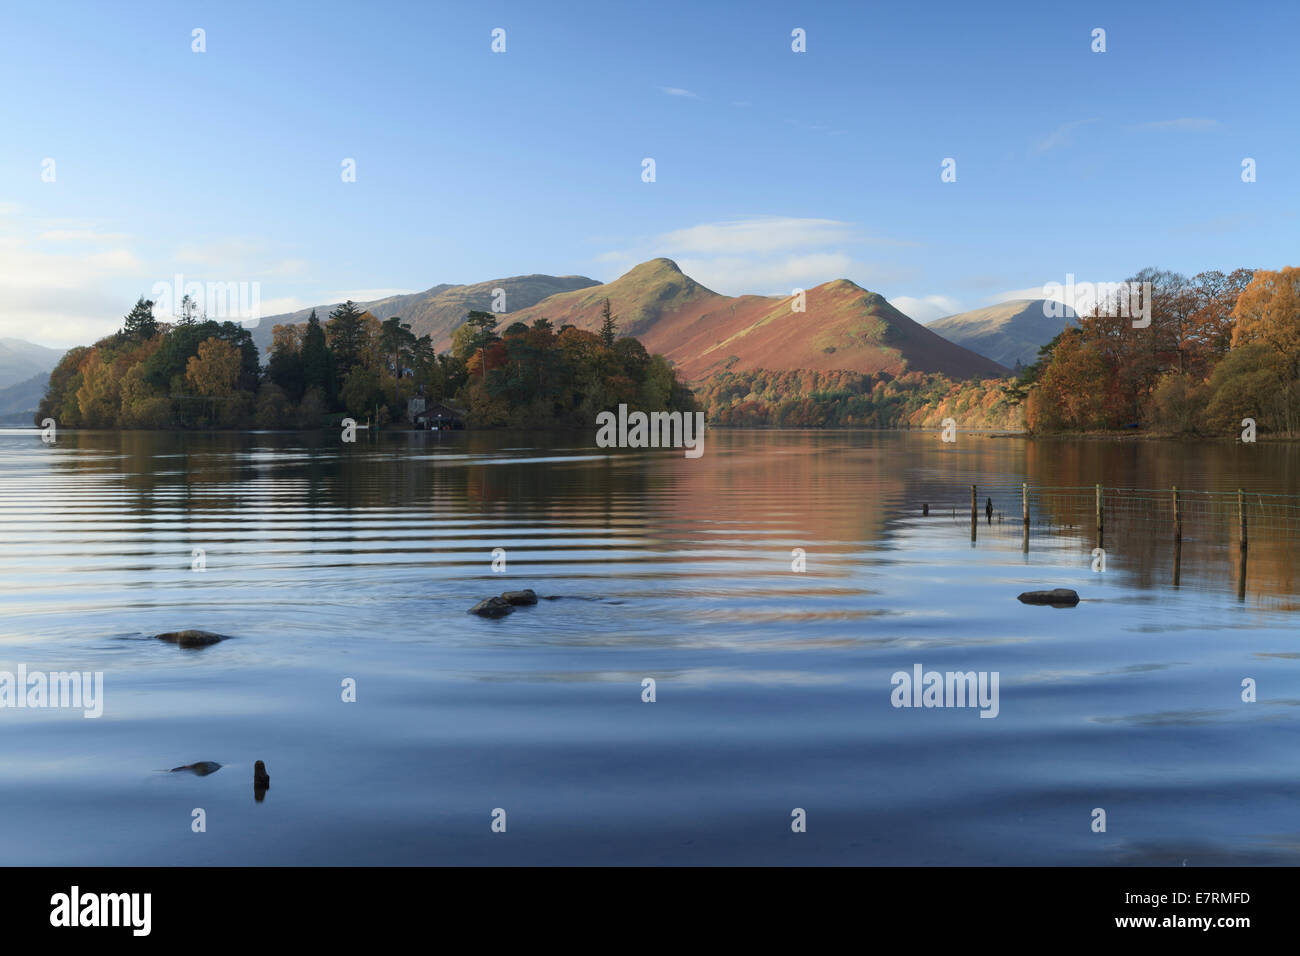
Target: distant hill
18	402
1007	332
440	310
21	360
844	327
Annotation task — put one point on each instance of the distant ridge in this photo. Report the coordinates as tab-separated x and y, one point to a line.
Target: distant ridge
440	310
843	327
1007	332
18	402
20	361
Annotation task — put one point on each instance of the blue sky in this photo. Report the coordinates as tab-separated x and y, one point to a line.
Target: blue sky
774	169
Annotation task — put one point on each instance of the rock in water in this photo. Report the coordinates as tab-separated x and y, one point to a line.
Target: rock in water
492	607
261	781
191	638
1058	597
202	768
517	598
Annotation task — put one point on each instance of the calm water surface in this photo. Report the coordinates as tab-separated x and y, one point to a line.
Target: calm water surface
327	561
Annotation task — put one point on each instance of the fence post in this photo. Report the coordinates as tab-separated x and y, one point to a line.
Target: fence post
1099	526
1024	509
1178	537
1241	536
974	519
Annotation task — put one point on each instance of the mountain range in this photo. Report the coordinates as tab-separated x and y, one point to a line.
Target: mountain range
1007	333
21	360
840	325
438	311
24	371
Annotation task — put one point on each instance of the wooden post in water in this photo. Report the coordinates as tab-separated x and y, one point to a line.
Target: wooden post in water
1099	526
1178	537
974	513
1024	509
1241	537
925	510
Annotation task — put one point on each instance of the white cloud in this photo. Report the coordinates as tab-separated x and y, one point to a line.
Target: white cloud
759	235
926	308
735	275
81	235
66	282
765	255
678	91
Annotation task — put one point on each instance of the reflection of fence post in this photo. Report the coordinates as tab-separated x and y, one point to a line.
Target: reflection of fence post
1024	508
974	520
1241	537
1178	537
1099	528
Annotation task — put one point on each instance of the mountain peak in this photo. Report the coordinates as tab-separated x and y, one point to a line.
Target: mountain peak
657	266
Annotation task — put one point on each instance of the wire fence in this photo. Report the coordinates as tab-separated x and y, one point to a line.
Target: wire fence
1214	525
1091	507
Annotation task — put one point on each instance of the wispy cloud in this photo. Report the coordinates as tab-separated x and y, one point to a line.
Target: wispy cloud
678	91
1189	124
764	254
759	235
1061	136
81	235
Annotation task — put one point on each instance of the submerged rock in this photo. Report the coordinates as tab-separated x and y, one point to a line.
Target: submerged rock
191	638
202	768
1057	597
261	781
492	607
520	598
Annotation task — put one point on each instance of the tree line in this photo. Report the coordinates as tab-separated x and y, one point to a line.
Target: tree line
844	399
200	373
1219	348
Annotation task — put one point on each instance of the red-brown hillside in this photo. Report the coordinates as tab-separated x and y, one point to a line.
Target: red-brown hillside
844	327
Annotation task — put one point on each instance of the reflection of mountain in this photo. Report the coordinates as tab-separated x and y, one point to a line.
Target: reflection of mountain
751	494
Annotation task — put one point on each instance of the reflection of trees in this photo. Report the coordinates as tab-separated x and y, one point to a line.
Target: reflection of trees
829	490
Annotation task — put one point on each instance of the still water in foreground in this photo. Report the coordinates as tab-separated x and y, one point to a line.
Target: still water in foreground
327	562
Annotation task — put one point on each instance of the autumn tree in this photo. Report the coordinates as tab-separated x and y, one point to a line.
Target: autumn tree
1215	296
474	335
214	370
1268	311
285	368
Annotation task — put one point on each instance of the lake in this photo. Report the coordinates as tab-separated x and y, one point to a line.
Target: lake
337	565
